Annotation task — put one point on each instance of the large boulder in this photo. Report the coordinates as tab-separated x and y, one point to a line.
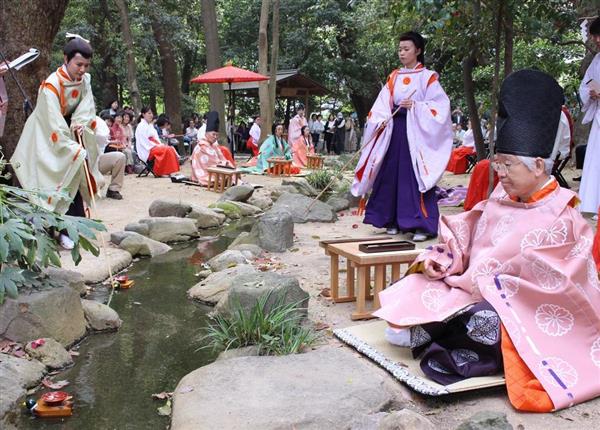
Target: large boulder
277	191
68	278
100	317
50	353
95	269
326	388
302	185
248	250
53	312
170	229
263	202
226	260
138	245
138	227
247	209
205	217
275	230
163	208
238	193
338	203
298	204
211	289
245	238
246	290
229	209
16	376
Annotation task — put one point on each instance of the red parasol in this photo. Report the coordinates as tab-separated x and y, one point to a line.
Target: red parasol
229	74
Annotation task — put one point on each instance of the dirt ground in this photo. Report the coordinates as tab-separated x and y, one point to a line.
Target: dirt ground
312	269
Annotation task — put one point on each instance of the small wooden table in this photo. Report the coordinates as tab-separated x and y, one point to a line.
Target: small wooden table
279	167
220	178
314	161
358	268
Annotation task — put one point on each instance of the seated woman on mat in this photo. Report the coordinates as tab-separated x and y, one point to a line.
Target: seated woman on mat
458	160
207	152
512	285
274	146
302	146
149	147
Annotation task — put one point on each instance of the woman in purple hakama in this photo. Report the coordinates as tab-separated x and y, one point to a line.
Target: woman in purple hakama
403	159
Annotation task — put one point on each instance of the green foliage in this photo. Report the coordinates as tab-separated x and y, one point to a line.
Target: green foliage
26	243
274	328
320	178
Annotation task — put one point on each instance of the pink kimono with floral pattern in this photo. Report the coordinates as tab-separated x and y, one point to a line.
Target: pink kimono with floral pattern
532	262
204	156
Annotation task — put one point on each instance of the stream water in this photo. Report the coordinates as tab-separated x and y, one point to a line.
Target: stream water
115	375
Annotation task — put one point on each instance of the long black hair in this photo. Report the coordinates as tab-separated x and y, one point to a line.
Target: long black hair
77	45
419	42
142	112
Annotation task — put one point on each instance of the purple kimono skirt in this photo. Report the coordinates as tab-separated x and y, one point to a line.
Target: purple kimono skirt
396	200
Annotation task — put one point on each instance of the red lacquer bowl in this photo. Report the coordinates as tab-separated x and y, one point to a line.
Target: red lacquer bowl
54	397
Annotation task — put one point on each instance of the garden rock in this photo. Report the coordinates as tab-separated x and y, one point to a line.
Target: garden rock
140	246
326	388
302	185
228	208
263	202
226	260
95	269
276	192
247	209
486	420
52	354
275	230
405	420
246	351
16	376
170	229
100	317
249	250
164	208
338	203
297	204
205	217
69	278
238	193
352	199
138	228
247	289
245	238
212	288
53	312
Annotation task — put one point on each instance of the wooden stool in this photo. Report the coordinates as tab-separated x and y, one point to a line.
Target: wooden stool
358	272
220	178
279	166
314	161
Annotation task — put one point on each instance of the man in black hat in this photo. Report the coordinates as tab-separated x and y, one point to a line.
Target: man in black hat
511	275
296	124
208	152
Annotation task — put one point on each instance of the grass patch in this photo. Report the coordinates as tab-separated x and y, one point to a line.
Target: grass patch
275	328
320	178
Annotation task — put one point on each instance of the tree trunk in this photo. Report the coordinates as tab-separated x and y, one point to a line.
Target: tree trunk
274	59
263	64
170	75
134	92
495	85
18	35
213	61
509	35
106	85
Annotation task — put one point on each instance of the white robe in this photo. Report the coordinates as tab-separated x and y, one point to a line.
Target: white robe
428	128
589	191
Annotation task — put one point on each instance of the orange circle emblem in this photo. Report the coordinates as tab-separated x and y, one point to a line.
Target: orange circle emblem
433	112
93	125
406	80
54	137
74	94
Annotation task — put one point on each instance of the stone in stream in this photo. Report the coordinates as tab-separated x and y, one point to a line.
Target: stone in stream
16	376
486	420
275	230
245	238
263	202
277	191
53	312
69	278
170	229
163	208
338	203
100	317
231	211
226	260
211	289
238	193
50	353
326	388
302	185
246	290
205	217
138	227
138	245
297	204
247	209
249	250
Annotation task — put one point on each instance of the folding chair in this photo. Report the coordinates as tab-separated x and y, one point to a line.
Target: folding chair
147	165
471	161
557	168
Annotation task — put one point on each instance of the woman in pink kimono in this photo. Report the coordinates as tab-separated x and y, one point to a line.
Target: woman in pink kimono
301	147
405	156
513	279
207	152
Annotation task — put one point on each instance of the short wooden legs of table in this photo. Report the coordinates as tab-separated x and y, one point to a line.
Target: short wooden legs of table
334	285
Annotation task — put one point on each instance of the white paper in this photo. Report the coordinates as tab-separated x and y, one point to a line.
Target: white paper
24	59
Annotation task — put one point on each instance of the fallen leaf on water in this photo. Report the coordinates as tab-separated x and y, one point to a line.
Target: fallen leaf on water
165	411
54	385
325	292
162	396
186	389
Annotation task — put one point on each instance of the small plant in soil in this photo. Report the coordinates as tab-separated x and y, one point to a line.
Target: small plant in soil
273	326
320	178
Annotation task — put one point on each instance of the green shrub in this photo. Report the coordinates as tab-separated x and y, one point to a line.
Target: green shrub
274	329
320	178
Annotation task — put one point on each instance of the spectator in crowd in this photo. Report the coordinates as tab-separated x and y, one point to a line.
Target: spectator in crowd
164	125
296	124
111	109
128	126
339	135
351	139
316	128
150	149
191	135
202	129
118	141
110	162
329	133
